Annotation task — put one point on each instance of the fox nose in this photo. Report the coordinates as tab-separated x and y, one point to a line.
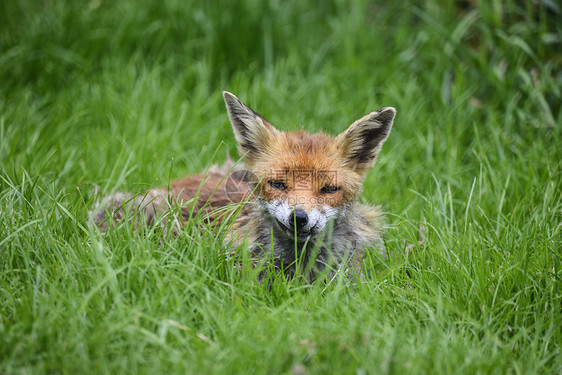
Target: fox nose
300	219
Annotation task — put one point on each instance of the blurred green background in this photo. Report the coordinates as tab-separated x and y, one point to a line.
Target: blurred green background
124	95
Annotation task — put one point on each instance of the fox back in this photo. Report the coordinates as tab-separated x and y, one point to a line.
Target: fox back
302	212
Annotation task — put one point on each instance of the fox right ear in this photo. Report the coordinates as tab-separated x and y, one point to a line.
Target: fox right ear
360	144
253	132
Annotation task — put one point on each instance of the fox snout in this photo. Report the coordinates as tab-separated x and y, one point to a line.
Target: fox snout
302	224
300	220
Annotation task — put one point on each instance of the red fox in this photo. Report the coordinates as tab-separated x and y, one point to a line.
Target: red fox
302	212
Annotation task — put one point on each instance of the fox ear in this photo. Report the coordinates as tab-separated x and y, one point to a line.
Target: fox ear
361	142
253	132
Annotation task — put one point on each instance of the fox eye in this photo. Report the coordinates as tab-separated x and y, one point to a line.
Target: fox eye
279	185
329	189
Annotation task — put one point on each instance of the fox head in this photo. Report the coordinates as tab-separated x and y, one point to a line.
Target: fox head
303	181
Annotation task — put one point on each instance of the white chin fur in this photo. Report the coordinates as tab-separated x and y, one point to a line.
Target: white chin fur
317	218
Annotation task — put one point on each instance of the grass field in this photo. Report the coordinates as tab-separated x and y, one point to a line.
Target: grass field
126	95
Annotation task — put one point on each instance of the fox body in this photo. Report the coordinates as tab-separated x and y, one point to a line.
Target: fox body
300	192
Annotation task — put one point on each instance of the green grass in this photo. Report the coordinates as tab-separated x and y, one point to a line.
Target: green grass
127	95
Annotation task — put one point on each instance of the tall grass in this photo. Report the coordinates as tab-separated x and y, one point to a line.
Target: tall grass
106	96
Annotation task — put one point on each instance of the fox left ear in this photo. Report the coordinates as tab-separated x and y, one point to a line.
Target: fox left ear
361	142
253	132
